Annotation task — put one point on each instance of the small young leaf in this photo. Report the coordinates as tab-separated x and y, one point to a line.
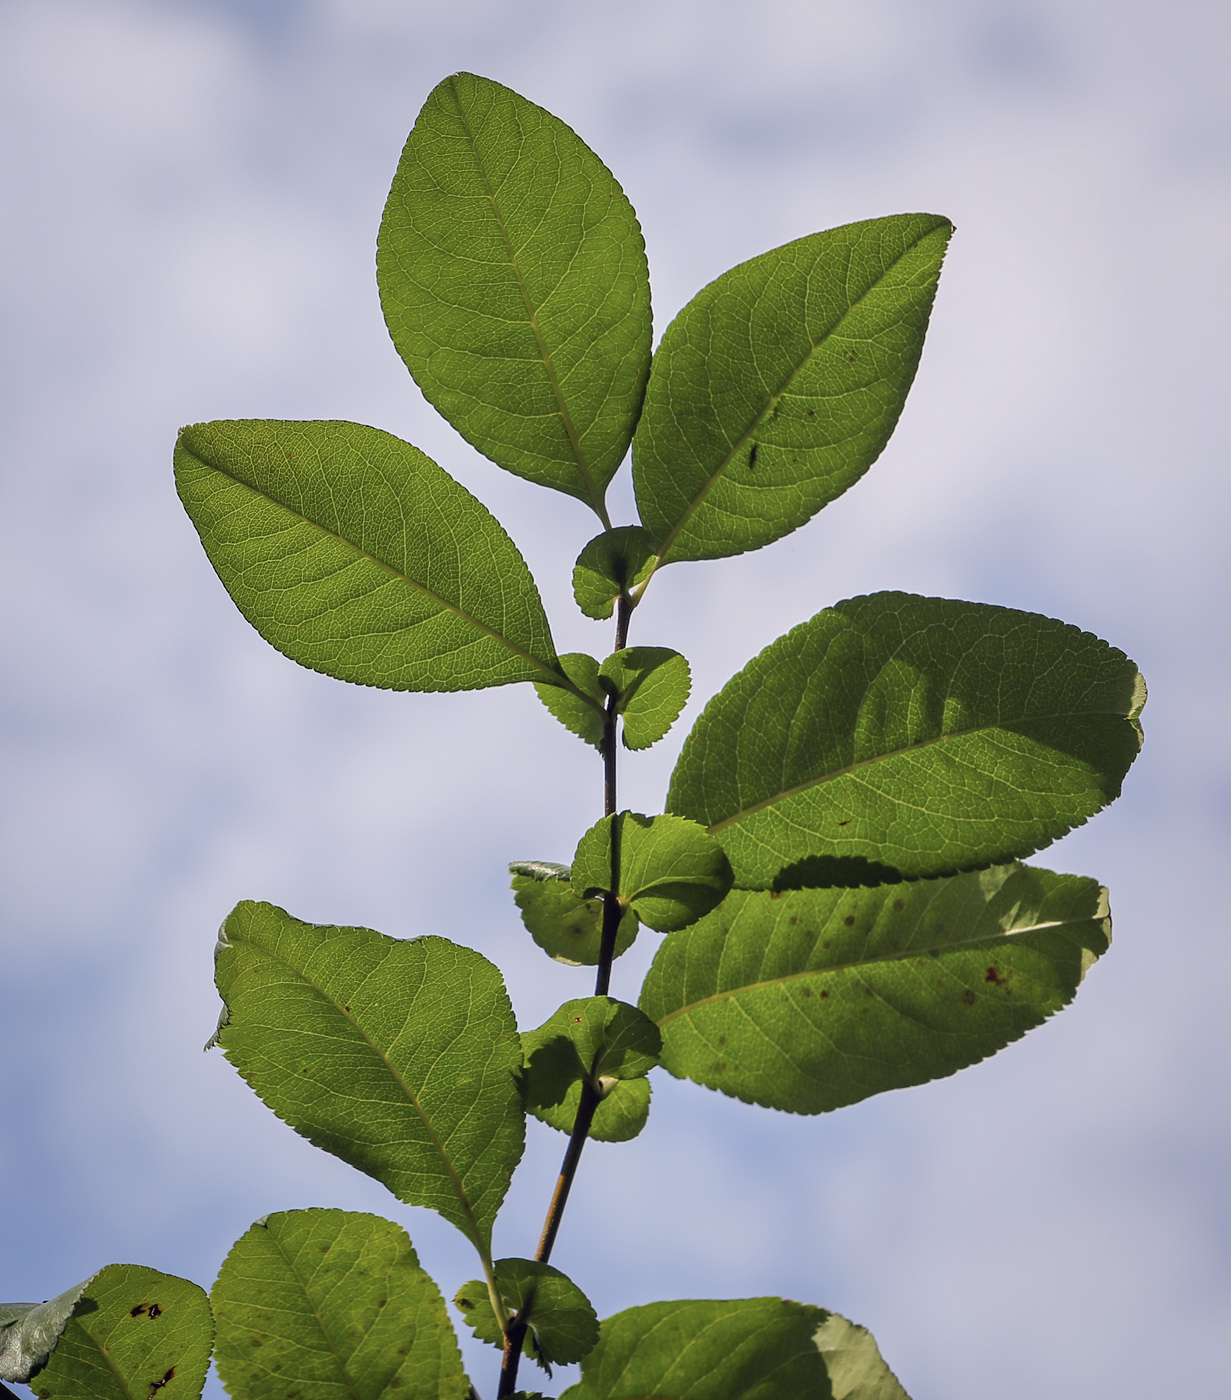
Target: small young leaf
919	735
514	283
131	1332
567	927
356	555
335	1303
579	710
808	1000
747	1349
671	870
612	562
652	684
857	1371
609	1043
562	1326
399	1056
778	385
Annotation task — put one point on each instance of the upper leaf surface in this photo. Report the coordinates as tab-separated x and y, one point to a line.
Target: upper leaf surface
671	871
857	1371
748	1349
563	1327
399	1056
334	1304
29	1332
779	384
132	1333
812	999
356	555
514	283
909	735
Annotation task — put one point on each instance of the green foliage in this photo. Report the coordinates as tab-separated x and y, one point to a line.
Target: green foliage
567	927
778	385
399	1056
901	736
128	1332
606	1043
513	276
562	1327
333	1303
670	871
837	872
356	555
808	1000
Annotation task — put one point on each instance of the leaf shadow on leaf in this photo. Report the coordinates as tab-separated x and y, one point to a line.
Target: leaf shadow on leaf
835	872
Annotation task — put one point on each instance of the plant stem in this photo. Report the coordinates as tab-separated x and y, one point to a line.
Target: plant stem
515	1333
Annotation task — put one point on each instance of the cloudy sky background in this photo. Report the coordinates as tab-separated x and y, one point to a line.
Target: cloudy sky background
191	191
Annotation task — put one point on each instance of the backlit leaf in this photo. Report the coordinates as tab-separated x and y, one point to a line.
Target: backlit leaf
579	710
671	871
399	1056
332	1305
356	555
857	1371
652	684
567	927
779	384
614	561
513	278
909	736
563	1327
807	1000
133	1333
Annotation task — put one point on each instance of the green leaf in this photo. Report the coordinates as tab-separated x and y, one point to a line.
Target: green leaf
399	1056
563	1327
579	710
607	1042
778	385
333	1305
567	927
671	871
652	684
812	999
909	736
857	1371
356	555
609	565
513	278
125	1334
748	1349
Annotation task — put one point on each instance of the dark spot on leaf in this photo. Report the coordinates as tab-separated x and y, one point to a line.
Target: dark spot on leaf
898	906
168	1377
722	1040
849	920
346	1009
155	1310
257	1342
384	1302
793	920
718	1066
968	997
851	357
845	822
824	994
994	976
807	991
824	942
867	991
137	1311
752	457
812	413
403	1351
775	894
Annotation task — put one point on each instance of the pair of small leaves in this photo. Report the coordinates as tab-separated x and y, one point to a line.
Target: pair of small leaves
746	1349
650	686
599	1041
566	927
671	871
399	1056
808	1000
324	1303
561	1326
126	1333
896	736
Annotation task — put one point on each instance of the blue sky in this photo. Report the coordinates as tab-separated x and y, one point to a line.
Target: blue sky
192	194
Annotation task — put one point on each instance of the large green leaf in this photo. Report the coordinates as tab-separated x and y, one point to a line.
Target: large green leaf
129	1333
356	555
779	384
894	734
561	1325
671	871
513	277
399	1056
807	1000
748	1349
332	1305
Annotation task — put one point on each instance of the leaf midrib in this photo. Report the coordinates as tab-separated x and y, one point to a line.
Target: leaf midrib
680	526
320	1321
965	945
574	440
917	747
458	1188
